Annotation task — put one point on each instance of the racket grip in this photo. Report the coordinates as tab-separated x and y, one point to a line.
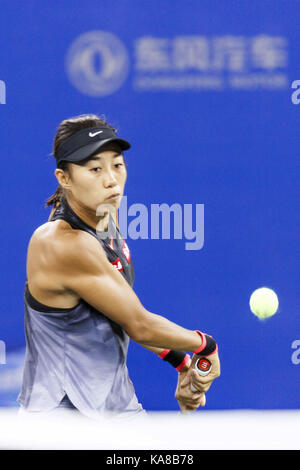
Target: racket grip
203	368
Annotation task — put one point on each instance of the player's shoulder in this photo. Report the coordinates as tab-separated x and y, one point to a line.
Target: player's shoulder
59	242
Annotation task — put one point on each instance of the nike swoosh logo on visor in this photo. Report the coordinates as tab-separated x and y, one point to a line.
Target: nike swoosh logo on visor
92	134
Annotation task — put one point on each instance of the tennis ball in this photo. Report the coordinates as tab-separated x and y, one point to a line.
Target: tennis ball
263	302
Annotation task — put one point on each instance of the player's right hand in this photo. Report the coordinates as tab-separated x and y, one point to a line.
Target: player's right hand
202	384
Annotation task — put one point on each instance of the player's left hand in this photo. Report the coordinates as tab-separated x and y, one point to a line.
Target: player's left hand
188	400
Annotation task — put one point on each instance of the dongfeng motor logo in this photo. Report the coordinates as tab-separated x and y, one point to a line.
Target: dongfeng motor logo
97	63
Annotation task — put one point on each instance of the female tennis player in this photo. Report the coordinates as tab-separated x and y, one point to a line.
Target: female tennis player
80	307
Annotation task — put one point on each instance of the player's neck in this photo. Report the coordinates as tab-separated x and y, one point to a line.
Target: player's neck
89	216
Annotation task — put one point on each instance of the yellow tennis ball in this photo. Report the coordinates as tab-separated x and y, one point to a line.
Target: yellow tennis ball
264	302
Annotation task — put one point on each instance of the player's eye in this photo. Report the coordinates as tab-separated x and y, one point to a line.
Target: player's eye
95	169
117	165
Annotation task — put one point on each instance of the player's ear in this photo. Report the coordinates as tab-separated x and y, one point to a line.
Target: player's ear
63	177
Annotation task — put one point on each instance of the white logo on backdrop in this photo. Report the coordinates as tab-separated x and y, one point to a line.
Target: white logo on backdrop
211	63
97	63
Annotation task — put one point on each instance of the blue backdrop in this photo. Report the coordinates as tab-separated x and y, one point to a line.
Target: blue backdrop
203	91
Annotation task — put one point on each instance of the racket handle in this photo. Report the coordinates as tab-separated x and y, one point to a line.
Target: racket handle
203	367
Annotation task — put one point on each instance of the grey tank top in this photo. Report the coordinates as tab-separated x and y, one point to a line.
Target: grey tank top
78	352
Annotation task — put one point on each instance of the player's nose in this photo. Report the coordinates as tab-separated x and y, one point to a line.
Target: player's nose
110	179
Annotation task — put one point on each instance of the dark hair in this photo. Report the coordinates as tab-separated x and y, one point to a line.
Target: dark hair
65	129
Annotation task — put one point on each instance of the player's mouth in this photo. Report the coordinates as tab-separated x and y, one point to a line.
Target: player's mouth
113	196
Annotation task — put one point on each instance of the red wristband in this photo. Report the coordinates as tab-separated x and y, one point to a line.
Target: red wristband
177	359
164	353
208	346
198	351
184	362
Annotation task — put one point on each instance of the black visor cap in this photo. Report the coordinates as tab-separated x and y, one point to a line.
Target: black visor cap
86	143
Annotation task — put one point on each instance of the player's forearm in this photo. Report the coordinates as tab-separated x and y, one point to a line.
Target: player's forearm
158	332
152	348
